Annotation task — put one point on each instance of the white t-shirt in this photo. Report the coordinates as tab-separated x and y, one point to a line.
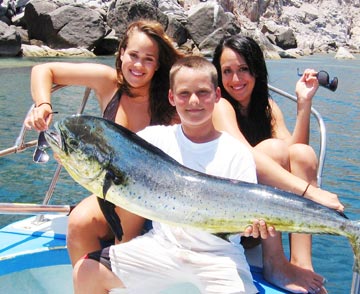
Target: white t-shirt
225	157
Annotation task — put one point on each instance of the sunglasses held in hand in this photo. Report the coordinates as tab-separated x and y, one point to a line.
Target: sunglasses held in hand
40	155
324	80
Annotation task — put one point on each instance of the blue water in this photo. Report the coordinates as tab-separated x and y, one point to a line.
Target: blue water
23	181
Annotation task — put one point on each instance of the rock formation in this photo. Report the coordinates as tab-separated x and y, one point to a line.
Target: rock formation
283	28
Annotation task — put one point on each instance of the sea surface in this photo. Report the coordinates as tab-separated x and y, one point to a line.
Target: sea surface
21	180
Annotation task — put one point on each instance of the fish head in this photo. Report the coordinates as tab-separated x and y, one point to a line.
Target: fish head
80	145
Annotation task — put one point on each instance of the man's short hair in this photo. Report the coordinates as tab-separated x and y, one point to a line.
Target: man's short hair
194	62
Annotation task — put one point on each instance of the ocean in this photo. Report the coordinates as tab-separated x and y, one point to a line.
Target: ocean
21	180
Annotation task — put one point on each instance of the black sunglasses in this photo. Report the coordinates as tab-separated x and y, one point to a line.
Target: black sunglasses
40	155
324	80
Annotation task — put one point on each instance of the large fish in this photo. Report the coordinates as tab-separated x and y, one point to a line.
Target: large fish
117	165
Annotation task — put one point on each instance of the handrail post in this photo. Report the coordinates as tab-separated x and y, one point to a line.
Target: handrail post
19	144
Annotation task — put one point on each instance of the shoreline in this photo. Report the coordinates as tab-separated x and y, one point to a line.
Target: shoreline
29	61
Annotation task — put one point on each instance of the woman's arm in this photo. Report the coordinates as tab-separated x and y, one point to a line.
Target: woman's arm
268	171
306	88
101	78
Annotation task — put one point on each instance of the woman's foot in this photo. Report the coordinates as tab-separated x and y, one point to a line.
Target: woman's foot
290	277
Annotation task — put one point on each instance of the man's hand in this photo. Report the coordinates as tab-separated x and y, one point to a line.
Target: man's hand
259	229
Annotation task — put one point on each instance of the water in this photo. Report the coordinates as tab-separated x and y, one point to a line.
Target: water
23	181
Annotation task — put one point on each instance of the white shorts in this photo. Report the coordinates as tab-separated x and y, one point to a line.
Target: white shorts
150	264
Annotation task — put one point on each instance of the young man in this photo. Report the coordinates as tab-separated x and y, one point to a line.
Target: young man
169	254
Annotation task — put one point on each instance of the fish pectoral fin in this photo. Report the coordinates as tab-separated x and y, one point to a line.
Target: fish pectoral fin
110	179
342	214
108	209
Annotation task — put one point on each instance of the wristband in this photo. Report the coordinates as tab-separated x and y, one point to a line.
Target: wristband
48	103
307	187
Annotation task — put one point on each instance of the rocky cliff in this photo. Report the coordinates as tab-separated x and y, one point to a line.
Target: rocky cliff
284	28
319	25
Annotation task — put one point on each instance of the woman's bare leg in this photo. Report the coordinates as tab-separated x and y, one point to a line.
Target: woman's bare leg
303	163
277	268
87	226
90	276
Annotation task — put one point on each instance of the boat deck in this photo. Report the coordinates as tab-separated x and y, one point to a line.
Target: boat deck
24	245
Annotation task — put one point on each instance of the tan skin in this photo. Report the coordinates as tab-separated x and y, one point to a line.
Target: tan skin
268	171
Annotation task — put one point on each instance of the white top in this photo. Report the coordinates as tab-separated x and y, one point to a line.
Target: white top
225	157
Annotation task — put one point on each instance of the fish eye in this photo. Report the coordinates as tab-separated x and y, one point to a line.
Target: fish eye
73	143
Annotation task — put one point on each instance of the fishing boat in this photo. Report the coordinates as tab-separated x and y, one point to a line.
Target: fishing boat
33	252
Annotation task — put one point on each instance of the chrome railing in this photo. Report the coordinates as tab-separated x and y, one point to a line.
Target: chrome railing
20	145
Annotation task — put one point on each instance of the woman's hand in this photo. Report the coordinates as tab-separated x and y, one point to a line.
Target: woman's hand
324	197
307	86
39	118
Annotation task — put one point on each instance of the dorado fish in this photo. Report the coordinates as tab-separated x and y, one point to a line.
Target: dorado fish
117	165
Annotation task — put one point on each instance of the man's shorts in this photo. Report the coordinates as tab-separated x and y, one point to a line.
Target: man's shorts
150	264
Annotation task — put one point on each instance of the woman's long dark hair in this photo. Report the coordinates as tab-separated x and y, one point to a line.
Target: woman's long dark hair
161	111
256	126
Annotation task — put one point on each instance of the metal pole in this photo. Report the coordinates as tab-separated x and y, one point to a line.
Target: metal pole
30	209
19	142
16	148
355	285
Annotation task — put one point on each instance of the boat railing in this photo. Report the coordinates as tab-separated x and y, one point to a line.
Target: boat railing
21	145
44	208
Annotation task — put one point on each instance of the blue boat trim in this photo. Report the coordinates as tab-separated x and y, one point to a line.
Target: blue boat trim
263	286
22	247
